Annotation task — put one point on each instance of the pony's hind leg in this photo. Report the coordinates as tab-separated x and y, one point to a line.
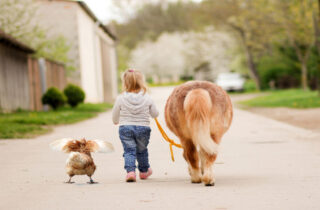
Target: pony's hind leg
191	155
206	167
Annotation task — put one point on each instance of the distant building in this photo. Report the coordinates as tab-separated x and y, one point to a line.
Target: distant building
93	46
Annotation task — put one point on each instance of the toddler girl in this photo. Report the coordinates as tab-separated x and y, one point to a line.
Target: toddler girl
132	110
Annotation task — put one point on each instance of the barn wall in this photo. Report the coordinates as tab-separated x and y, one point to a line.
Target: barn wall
14	84
21	84
54	76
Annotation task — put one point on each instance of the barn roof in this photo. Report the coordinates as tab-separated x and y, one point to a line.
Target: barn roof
11	41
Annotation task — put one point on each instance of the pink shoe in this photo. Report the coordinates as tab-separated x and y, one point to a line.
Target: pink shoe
131	176
145	175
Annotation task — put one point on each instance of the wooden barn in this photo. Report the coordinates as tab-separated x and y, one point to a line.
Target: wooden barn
23	79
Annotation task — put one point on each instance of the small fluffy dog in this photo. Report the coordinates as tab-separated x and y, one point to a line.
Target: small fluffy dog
199	113
80	161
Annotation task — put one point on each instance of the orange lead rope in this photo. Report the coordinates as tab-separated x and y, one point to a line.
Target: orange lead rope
164	135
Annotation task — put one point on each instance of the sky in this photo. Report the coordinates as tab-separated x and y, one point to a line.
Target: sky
106	11
103	9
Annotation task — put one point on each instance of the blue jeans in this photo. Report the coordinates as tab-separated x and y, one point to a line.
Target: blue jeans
135	140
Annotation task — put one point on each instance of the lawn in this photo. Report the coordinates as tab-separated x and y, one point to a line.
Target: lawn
26	124
293	98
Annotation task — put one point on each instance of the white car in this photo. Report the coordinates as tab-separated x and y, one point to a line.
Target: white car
231	81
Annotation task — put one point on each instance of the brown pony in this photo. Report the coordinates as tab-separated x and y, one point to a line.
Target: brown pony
199	113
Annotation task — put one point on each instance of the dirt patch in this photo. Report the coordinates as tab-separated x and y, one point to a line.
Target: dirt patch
305	118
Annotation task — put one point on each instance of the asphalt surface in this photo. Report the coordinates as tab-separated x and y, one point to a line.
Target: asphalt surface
263	164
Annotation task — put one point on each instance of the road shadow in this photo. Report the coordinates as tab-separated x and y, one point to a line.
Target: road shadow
239	180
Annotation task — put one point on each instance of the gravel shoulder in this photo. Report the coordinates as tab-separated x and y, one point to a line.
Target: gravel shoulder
304	118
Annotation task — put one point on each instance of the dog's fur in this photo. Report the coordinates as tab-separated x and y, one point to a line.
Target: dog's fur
80	161
199	113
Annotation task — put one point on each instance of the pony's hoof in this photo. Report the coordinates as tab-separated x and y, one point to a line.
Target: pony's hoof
93	182
209	184
69	182
198	181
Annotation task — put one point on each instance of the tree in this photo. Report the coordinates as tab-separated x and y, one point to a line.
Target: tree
155	59
249	20
18	19
297	20
316	23
151	20
209	48
179	54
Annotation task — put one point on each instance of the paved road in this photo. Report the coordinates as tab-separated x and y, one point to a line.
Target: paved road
263	164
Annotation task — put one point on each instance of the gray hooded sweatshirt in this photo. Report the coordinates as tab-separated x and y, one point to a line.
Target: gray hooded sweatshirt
134	109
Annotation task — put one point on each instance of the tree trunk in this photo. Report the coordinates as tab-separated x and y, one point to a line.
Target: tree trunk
252	69
304	74
303	59
316	22
252	66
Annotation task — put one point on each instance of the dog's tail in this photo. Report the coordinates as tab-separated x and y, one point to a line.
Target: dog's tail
197	107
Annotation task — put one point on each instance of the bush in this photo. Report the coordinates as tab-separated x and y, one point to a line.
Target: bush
75	95
313	69
283	68
279	68
54	98
250	86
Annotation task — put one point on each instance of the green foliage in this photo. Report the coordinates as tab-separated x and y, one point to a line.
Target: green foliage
293	98
283	68
54	98
250	21
238	63
153	19
55	49
75	95
19	20
314	69
257	25
123	54
296	18
25	124
250	86
16	19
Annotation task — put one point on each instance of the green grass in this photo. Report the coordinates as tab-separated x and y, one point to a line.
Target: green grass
26	124
293	98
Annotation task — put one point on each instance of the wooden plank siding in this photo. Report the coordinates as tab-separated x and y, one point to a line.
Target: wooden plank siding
20	79
14	88
55	76
35	85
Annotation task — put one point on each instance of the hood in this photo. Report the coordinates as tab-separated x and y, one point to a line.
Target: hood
135	102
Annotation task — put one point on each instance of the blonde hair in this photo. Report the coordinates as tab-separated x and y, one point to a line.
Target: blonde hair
133	81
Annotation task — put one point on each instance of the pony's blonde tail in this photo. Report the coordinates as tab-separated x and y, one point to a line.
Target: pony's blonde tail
197	106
